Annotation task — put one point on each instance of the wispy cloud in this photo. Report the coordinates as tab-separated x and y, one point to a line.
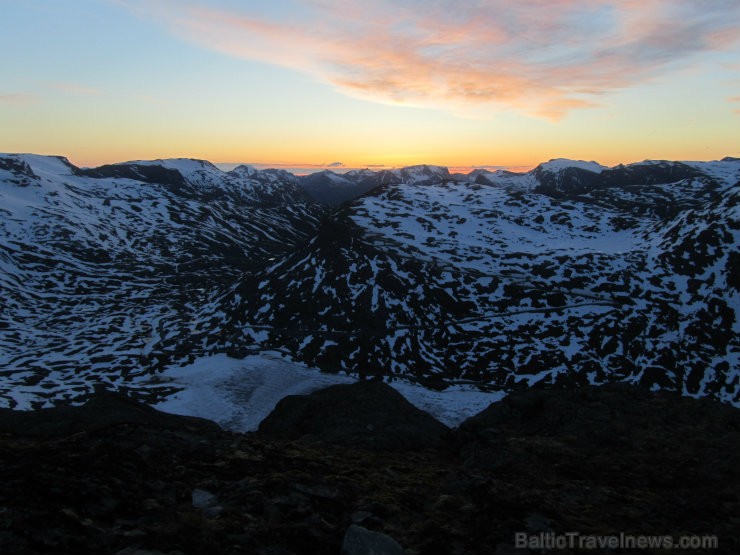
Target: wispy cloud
76	89
541	57
17	98
735	100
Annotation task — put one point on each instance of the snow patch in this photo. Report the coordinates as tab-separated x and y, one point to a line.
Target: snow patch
239	393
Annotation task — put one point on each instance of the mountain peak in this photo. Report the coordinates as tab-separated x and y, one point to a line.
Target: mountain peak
422	174
43	163
559	164
183	165
244	170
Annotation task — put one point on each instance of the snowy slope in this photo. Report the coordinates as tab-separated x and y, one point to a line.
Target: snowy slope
103	272
571	273
508	286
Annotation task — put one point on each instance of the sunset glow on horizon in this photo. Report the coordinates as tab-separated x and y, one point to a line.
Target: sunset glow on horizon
350	84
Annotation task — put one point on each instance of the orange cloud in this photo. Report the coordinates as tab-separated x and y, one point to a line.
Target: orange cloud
544	58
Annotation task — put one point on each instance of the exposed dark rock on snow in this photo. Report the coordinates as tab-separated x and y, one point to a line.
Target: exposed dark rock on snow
139	172
567	275
334	189
369	414
331	188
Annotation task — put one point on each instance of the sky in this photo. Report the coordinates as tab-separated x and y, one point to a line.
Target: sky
350	83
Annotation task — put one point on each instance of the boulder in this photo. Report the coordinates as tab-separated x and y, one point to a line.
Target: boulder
367	414
361	541
619	425
103	409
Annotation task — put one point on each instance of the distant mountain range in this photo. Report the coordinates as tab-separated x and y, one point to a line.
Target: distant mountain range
569	274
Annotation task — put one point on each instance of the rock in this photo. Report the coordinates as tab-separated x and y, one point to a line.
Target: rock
203	499
358	517
539	524
368	414
94	493
323	492
617	420
361	541
103	409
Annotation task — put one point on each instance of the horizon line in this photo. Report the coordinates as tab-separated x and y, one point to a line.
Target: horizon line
306	169
301	169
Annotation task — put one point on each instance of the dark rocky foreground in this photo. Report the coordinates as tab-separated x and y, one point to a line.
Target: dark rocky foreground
327	471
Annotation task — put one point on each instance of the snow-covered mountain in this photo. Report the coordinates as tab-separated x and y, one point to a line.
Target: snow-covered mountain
332	188
572	273
104	271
